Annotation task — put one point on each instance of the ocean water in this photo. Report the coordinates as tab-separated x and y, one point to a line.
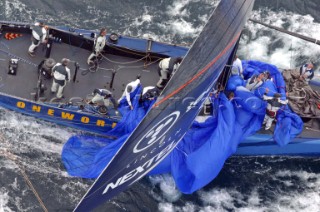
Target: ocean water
244	184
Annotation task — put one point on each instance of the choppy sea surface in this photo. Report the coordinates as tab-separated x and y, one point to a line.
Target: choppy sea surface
244	184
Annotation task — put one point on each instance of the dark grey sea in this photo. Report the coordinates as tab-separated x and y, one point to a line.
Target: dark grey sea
244	184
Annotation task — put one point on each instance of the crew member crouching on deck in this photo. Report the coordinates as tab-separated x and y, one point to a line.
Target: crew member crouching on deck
61	75
102	97
167	67
273	105
149	93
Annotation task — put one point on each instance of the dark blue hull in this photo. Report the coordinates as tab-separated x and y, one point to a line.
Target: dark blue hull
66	117
261	144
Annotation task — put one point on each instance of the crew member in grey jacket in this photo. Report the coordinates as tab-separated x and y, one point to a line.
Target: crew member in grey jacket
61	75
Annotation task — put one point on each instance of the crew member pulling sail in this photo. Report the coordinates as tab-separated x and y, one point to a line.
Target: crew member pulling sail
99	44
255	81
149	93
167	68
307	72
39	35
128	91
273	105
61	74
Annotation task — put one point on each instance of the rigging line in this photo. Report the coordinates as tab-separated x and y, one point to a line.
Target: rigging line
5	45
144	65
148	57
291	55
132	52
25	176
116	62
14	158
139	66
86	71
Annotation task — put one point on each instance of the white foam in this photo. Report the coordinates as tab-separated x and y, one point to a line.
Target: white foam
304	177
178	8
141	20
167	186
4	199
168	207
284	197
287	56
27	135
216	199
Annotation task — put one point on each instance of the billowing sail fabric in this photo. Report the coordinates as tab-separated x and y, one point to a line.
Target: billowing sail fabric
129	120
202	152
86	156
197	159
171	116
288	124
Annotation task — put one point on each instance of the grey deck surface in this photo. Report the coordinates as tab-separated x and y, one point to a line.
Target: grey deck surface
25	82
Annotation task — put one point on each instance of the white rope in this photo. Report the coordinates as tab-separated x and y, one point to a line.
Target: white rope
14	158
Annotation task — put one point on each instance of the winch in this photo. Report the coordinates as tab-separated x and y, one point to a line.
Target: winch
13	66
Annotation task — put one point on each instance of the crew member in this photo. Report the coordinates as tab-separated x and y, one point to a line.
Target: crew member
99	44
236	68
167	67
307	72
273	105
103	97
255	81
61	75
39	35
149	93
129	91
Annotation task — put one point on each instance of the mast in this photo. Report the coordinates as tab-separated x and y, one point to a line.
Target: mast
303	37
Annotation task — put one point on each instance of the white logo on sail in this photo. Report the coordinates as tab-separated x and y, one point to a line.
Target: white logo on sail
157	132
200	98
